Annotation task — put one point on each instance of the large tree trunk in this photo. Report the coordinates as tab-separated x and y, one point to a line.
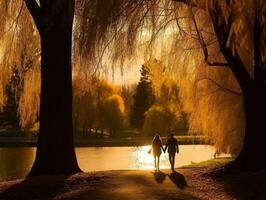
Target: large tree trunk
55	150
252	155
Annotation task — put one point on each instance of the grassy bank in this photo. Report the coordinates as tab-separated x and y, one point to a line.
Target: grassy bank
210	163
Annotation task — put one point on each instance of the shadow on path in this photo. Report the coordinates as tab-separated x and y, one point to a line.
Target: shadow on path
159	176
111	185
46	187
178	179
35	188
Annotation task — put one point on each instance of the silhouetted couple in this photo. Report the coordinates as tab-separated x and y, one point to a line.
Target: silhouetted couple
157	148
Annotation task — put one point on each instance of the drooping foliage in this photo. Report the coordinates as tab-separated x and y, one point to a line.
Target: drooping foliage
29	101
126	91
114	110
20	57
8	115
84	105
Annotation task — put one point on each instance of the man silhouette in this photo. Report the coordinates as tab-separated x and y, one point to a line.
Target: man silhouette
172	146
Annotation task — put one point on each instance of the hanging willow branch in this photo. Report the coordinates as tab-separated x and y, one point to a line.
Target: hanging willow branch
203	44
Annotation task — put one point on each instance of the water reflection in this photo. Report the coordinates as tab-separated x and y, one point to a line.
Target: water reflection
16	162
141	159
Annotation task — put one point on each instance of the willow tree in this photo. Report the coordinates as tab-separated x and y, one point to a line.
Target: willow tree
55	152
53	20
240	25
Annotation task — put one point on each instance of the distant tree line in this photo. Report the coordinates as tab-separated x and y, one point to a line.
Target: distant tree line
100	108
97	107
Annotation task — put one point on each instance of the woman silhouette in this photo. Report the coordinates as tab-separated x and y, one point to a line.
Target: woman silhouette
156	150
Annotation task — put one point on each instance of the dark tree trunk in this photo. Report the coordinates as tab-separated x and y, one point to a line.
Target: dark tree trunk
101	133
84	131
252	155
55	148
96	133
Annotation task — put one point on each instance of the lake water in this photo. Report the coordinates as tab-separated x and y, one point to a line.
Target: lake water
16	162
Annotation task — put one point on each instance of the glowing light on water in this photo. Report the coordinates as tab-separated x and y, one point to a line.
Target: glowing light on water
142	159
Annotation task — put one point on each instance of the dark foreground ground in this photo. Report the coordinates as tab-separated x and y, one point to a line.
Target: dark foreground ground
184	184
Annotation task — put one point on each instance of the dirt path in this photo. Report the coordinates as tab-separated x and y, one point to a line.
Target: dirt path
184	184
134	185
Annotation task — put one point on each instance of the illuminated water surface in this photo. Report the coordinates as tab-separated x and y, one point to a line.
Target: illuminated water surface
16	162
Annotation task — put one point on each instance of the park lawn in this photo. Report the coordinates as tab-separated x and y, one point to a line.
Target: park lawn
210	163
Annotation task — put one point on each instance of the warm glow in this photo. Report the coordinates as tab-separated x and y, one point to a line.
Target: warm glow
141	159
144	160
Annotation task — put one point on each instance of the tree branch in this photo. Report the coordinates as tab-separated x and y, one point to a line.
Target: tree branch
35	12
203	44
222	29
259	39
202	4
225	89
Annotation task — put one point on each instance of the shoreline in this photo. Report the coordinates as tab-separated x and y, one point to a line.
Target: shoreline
102	142
14	145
